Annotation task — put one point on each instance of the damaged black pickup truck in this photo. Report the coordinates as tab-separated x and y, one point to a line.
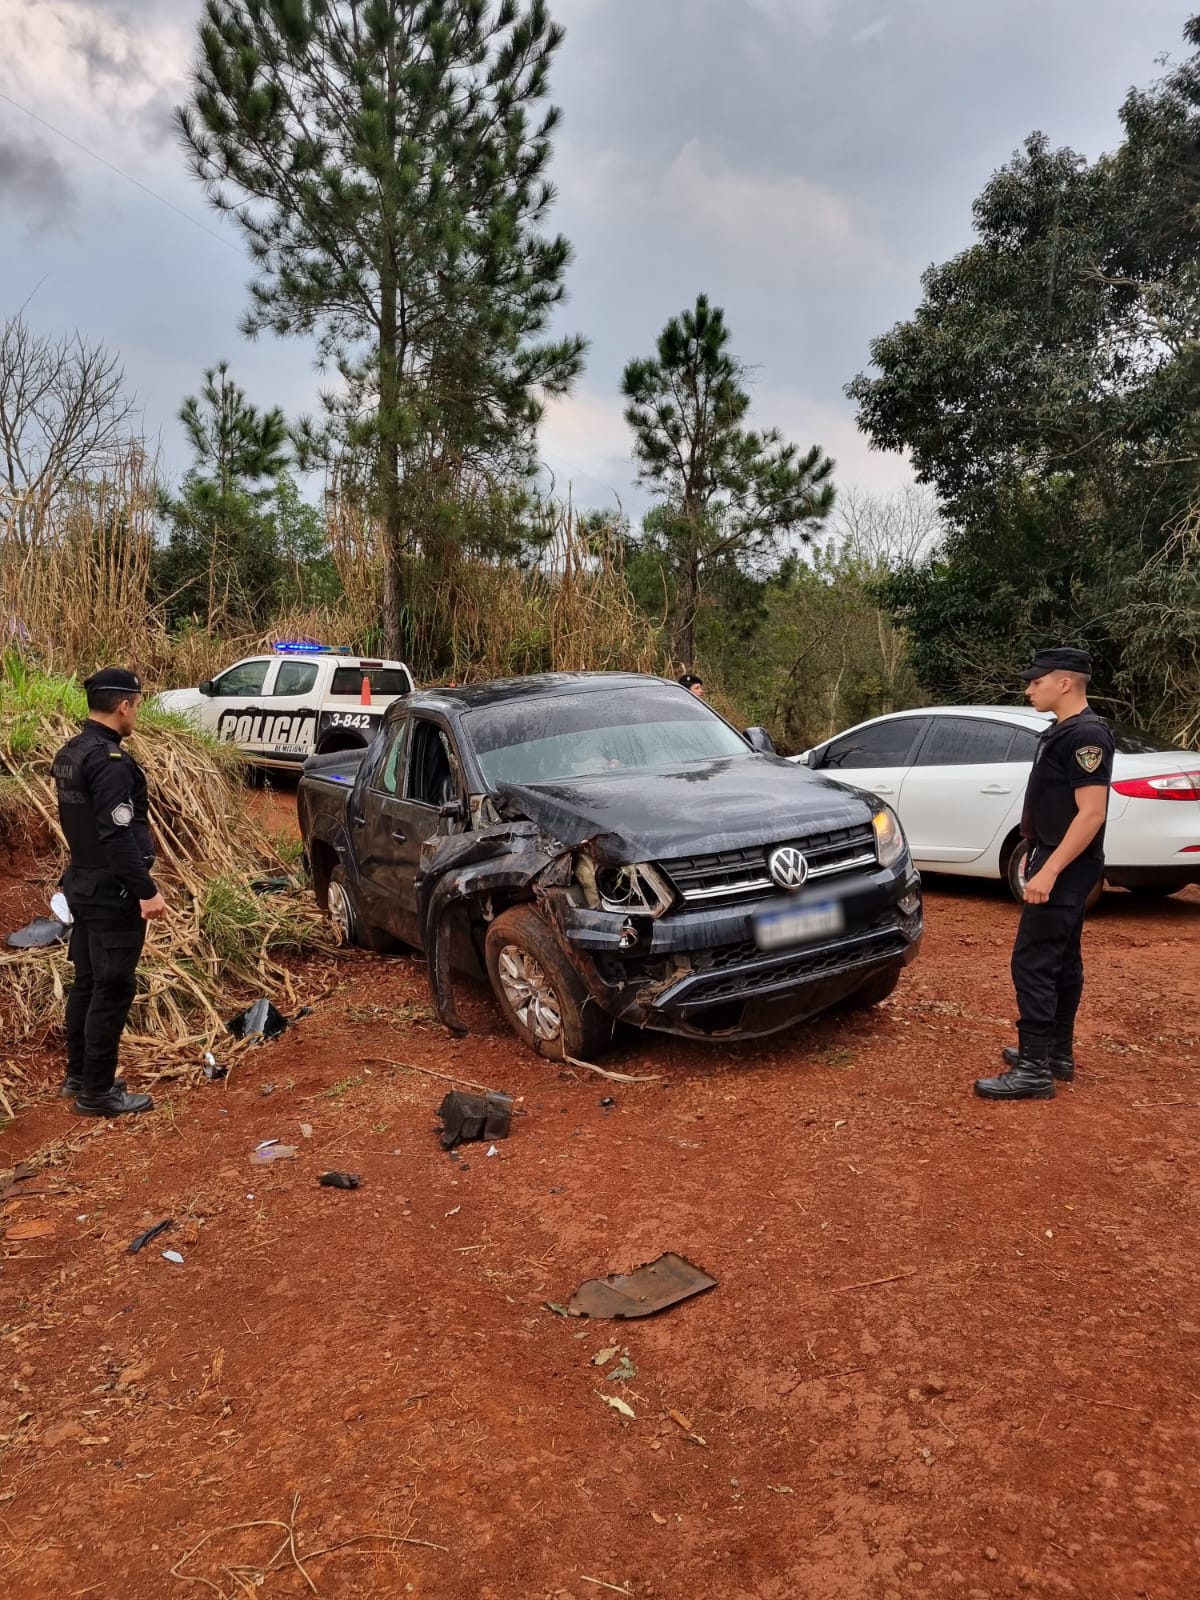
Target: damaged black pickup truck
608	849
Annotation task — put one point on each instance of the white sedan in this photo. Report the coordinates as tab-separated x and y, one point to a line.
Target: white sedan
956	777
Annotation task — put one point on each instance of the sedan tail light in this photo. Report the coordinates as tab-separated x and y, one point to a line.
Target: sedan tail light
1171	786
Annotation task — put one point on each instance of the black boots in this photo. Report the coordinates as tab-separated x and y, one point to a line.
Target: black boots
71	1086
114	1102
1030	1077
1062	1059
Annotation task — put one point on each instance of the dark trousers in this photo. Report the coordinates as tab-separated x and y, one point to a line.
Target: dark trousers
105	952
1047	959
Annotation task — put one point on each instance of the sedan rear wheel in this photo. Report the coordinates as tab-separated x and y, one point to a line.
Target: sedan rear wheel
1014	874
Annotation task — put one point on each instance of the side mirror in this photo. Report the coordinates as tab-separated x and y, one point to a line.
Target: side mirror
759	739
805	758
207	687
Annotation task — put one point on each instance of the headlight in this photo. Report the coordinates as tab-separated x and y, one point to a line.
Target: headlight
640	890
890	845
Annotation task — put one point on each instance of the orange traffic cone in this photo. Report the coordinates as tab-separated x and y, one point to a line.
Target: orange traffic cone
365	696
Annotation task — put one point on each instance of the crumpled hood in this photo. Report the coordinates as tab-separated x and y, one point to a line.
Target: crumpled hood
698	809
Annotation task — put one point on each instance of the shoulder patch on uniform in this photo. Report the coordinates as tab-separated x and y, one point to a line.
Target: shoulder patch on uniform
1089	756
123	814
114	755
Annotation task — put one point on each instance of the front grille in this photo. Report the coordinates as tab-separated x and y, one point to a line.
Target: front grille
732	875
740	982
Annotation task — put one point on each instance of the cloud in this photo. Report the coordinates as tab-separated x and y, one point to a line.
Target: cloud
35	186
873	30
806	420
788	224
816	15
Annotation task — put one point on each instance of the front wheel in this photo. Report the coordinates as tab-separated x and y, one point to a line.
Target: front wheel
543	998
347	918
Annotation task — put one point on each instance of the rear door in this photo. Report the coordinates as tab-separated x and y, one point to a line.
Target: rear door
966	785
875	756
288	730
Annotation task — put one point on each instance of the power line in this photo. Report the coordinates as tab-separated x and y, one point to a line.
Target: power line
136	182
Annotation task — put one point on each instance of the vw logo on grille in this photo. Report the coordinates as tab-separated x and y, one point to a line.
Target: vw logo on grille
788	866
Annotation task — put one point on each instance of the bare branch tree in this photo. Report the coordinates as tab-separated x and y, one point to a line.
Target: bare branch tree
64	413
888	530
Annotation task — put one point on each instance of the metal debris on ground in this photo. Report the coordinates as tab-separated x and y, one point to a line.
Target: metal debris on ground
39	934
474	1116
173	1255
261	1020
340	1180
274	1151
212	1070
652	1287
144	1239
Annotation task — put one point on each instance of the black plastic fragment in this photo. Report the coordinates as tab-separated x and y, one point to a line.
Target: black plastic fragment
340	1180
474	1116
262	1018
276	885
150	1233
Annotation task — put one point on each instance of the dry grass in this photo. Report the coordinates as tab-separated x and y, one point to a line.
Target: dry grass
221	944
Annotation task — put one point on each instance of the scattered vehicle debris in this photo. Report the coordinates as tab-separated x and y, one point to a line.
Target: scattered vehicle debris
608	1102
651	1287
474	1116
274	1151
10	1178
262	1019
173	1255
340	1180
144	1239
212	1070
39	934
277	885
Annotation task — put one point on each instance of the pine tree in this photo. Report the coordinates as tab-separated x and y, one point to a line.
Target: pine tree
236	444
729	494
386	161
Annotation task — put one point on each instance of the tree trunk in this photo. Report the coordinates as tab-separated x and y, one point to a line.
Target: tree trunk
391	498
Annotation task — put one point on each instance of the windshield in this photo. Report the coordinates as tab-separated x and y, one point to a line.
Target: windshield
1132	742
547	739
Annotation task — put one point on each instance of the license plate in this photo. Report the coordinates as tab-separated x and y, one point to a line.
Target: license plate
801	925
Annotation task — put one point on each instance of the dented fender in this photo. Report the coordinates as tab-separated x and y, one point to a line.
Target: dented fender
509	857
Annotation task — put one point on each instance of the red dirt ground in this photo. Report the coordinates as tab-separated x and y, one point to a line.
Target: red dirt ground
953	1352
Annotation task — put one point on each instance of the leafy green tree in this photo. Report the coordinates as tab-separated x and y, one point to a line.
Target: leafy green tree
387	163
729	493
1048	387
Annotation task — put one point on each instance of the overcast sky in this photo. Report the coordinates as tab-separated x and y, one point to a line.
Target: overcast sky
801	161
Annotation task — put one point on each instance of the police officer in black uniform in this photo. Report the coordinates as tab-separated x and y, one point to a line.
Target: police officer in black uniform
1066	804
102	805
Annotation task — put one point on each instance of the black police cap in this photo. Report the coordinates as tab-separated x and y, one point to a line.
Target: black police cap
689	680
1060	659
114	678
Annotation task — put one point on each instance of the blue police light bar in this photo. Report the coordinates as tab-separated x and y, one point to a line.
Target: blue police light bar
308	647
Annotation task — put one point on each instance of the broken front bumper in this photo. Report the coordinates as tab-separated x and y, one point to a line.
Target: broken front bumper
700	972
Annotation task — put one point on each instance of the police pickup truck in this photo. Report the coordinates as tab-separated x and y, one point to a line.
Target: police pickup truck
299	701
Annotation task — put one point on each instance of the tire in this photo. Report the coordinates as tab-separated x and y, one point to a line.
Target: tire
874	992
347	917
1014	876
541	995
